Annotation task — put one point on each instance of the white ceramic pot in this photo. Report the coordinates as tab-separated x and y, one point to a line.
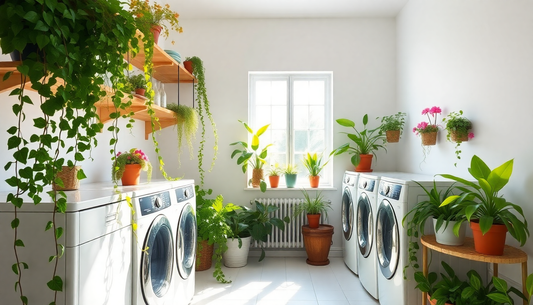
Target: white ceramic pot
445	236
236	257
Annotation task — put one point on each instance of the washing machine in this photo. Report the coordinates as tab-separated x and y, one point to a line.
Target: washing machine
397	194
349	240
97	238
185	241
366	236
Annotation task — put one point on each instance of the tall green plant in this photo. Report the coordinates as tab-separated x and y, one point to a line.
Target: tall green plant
72	75
203	111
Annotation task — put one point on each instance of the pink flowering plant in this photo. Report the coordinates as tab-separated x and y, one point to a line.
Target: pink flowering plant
431	124
133	156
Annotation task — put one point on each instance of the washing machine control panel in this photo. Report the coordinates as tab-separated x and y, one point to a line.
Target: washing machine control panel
349	180
185	193
390	190
154	203
367	184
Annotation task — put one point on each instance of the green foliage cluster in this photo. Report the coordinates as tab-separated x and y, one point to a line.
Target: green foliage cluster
455	121
203	111
74	75
137	81
367	141
314	164
291	169
393	122
316	205
275	170
187	118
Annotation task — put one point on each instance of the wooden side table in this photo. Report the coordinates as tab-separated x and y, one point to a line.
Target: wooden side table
511	255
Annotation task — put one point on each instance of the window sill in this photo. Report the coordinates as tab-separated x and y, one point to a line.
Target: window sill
326	188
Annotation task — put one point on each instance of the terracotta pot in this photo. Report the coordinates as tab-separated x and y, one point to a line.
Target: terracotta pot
365	164
257	176
313	220
493	242
317	244
204	256
69	176
188	66
290	180
140	91
429	138
393	136
434	302
156	31
132	174
274	181
314	181
458	138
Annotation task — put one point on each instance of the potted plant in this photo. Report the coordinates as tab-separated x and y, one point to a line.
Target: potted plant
428	130
291	174
137	83
187	123
458	130
367	142
274	173
128	166
490	215
393	125
503	292
155	16
250	154
475	293
313	207
314	165
446	291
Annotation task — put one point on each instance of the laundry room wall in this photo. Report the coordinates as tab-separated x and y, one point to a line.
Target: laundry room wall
359	52
475	56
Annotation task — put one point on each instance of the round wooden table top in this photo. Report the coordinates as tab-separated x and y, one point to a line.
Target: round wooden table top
511	255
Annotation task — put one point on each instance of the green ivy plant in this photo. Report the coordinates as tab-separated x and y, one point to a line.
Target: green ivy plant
69	78
203	112
456	123
187	118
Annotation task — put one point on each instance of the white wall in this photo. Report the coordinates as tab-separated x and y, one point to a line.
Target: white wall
476	56
360	52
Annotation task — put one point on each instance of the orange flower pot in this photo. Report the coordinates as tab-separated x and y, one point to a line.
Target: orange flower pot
313	220
132	174
365	164
274	181
314	181
188	66
140	91
156	31
493	242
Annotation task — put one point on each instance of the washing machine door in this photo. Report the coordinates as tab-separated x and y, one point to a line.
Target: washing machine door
347	212
365	224
387	239
186	242
157	260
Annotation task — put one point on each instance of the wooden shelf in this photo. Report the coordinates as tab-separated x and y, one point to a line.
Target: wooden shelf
14	80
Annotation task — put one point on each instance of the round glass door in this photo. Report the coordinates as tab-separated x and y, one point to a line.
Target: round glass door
347	214
157	259
387	239
365	224
186	241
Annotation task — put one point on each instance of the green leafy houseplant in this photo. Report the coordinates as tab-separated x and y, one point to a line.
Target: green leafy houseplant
367	141
133	156
136	82
481	201
393	123
64	132
316	205
502	293
457	127
275	170
187	119
203	112
314	164
251	154
290	169
447	290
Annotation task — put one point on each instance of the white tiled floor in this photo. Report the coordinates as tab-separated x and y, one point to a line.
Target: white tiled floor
279	281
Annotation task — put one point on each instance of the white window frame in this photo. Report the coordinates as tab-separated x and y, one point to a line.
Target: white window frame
326	180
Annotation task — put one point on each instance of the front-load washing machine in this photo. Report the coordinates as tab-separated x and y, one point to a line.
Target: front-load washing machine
185	233
366	237
97	237
397	194
349	240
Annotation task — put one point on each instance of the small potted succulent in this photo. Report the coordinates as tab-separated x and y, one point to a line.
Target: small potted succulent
314	165
274	173
458	128
393	125
291	174
137	83
128	165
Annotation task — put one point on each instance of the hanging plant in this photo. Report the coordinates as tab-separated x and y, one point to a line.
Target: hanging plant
187	125
68	77
428	130
458	128
203	111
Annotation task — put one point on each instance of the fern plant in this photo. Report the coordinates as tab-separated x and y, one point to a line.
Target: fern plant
187	126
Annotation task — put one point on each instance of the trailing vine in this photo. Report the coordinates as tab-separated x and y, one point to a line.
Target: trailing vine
76	44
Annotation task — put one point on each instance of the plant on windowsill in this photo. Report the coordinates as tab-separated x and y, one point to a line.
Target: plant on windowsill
393	125
250	154
187	125
457	126
314	165
274	173
367	142
291	174
490	215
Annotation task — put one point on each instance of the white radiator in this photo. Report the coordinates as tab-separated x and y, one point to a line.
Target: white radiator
291	237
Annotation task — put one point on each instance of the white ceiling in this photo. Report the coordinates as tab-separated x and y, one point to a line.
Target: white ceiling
201	9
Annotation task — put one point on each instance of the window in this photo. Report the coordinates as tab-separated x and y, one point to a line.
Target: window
298	107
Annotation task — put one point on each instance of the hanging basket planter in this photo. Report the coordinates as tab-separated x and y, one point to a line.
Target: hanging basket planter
69	176
393	136
429	138
458	137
